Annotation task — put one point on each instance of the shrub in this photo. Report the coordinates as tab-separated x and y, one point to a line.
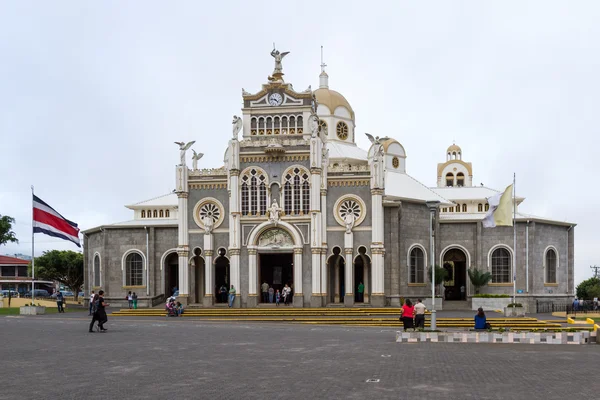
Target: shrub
515	305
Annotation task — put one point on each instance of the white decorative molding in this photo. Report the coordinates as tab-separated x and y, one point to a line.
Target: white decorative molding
265	142
342	167
208	172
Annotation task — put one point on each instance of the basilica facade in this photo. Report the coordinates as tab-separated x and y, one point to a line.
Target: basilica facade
297	202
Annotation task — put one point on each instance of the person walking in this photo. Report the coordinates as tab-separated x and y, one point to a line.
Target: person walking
271	293
420	314
59	302
408	313
277	297
231	296
91	303
134	298
361	293
100	313
286	294
265	292
130	300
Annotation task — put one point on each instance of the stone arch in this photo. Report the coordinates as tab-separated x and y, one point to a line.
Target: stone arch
164	271
260	229
457	269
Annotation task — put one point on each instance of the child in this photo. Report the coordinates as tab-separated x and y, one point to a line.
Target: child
179	309
277	297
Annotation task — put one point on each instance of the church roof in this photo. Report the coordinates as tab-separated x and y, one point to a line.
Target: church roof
405	187
469	193
345	151
166	200
473	217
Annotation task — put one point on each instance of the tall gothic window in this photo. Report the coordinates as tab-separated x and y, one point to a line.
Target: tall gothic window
550	266
417	266
134	270
96	270
296	191
501	266
254	192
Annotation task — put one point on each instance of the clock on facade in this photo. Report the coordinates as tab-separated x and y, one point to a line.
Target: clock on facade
275	99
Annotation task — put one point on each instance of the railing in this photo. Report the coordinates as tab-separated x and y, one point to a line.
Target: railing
549	307
588	306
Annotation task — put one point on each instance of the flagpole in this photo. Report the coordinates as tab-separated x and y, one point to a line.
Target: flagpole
32	251
514	238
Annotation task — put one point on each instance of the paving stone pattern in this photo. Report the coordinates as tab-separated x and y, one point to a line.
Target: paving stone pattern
52	357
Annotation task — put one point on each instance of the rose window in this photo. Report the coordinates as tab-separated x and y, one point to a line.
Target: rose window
350	207
210	210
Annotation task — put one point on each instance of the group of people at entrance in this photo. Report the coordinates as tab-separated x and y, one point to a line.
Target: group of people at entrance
270	295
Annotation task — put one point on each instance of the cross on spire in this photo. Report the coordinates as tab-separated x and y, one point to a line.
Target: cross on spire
323	65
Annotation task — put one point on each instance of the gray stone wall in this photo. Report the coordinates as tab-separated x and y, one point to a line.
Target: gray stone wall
414	229
335	192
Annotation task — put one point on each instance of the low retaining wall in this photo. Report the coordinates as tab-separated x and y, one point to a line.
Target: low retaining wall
582	337
490	304
439	304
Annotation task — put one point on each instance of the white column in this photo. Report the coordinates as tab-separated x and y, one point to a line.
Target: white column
297	272
253	272
209	276
348	276
182	231
324	266
234	228
209	269
377	248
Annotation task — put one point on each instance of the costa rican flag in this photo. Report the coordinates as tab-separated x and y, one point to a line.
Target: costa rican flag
47	220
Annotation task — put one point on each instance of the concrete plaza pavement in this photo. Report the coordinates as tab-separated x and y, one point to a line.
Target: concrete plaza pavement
53	356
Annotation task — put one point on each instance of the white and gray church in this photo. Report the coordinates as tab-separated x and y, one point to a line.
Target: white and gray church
297	202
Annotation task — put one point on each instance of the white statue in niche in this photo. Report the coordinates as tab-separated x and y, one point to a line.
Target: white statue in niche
208	223
349	222
275	212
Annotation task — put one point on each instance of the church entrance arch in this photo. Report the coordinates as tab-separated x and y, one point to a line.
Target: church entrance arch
275	261
222	276
198	278
362	270
336	266
275	258
171	268
455	262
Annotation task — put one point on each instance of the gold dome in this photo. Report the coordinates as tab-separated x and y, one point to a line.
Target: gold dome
453	148
332	100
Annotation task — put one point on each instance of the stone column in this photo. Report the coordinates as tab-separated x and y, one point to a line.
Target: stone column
234	263
316	240
183	233
298	296
209	271
377	248
252	277
348	270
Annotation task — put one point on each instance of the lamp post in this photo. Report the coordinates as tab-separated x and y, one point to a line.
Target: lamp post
432	205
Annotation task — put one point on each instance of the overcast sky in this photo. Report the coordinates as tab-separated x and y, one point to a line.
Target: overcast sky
93	94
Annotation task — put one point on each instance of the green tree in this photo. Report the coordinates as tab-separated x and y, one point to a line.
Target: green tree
6	233
588	289
479	278
64	266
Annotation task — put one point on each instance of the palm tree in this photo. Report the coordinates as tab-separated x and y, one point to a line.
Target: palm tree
441	274
479	278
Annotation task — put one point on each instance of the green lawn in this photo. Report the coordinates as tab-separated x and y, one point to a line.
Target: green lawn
49	310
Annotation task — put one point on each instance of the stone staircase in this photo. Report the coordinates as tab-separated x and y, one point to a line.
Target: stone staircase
456	305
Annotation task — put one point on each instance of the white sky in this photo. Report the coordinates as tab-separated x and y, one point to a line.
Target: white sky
93	94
